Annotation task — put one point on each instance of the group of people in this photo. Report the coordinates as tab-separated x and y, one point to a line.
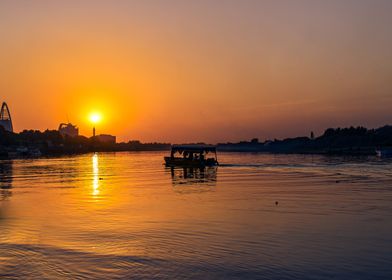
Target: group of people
193	156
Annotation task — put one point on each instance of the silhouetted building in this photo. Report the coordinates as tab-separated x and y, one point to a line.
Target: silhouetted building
68	129
105	138
5	118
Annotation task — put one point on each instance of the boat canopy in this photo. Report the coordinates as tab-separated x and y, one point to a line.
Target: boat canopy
193	148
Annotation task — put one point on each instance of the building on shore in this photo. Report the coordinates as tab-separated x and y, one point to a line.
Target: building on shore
68	129
106	138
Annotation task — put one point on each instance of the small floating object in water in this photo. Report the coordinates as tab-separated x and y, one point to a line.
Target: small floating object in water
337	181
100	178
276	203
384	152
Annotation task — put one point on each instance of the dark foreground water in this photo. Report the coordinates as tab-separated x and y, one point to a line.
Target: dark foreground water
124	215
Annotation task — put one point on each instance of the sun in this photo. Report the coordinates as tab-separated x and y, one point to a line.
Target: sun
95	117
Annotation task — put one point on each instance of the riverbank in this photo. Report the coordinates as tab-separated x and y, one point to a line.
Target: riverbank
36	153
340	141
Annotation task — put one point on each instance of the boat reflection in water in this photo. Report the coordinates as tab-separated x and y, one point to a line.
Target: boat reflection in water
5	179
189	180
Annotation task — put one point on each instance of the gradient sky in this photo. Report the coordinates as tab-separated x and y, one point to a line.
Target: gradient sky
183	71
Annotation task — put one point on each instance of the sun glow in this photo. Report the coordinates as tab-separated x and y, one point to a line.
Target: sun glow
95	118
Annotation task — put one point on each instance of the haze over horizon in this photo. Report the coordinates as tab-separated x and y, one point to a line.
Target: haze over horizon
185	71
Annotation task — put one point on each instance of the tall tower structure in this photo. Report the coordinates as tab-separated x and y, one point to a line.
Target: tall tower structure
5	118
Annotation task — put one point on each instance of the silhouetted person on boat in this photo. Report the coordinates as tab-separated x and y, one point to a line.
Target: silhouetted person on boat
192	156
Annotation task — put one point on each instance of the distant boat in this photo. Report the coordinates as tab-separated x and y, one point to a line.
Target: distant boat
192	156
384	152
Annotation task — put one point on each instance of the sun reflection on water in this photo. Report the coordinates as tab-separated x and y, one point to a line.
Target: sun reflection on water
95	175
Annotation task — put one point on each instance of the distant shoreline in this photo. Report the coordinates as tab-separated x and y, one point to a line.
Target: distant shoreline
320	153
350	141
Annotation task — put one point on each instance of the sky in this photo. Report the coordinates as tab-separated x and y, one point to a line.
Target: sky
197	70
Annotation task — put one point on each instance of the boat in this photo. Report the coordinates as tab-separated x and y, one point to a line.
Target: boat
192	156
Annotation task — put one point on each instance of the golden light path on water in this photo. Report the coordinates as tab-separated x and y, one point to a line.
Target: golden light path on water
95	165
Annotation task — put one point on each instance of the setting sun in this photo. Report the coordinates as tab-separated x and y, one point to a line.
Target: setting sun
95	117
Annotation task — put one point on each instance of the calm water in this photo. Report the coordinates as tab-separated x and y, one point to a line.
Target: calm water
124	215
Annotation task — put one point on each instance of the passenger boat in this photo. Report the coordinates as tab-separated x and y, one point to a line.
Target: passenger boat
192	156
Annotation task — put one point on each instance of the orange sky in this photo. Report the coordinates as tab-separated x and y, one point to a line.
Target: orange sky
183	71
